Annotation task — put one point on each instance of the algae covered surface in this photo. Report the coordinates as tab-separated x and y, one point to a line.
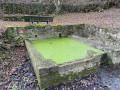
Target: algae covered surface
62	50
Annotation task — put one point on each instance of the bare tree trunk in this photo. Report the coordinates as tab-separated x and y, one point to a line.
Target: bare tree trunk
57	4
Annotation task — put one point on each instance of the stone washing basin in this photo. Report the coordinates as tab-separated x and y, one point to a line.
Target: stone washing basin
60	60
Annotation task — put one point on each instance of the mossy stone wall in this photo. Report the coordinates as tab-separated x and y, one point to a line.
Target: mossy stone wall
41	32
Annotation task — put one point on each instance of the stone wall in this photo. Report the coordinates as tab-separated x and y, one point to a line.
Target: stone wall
105	39
41	32
49	73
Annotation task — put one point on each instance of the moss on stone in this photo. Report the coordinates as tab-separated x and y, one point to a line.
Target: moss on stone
106	60
80	26
9	28
58	26
14	27
54	78
40	24
26	27
82	23
29	27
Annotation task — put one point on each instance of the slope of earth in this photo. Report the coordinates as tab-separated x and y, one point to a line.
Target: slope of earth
108	18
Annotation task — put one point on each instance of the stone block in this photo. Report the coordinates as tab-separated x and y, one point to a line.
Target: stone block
53	74
43	71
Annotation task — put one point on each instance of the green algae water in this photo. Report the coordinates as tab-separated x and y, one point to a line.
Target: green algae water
63	49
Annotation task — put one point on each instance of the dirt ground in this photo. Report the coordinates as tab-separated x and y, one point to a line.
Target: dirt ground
108	18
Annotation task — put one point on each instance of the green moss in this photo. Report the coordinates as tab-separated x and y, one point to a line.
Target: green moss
82	23
14	26
25	27
40	24
9	27
54	78
58	26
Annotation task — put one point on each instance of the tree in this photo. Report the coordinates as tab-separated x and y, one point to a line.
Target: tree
57	4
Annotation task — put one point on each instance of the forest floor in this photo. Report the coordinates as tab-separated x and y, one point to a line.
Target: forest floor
16	72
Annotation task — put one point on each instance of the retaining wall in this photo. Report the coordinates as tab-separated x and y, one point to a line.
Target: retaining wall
32	32
109	38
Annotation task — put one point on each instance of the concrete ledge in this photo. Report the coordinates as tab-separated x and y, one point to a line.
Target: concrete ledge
49	73
113	52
